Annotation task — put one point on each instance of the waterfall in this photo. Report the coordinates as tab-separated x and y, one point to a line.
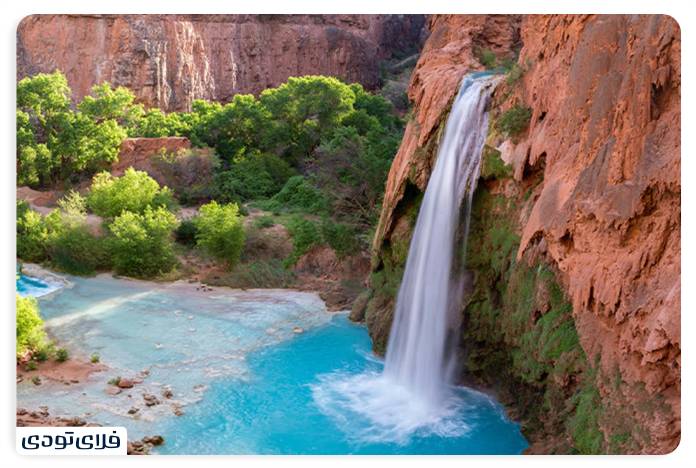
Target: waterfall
420	353
413	393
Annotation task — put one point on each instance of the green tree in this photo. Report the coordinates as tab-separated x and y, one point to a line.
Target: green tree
32	234
238	128
304	110
155	123
254	176
53	141
220	231
135	191
142	245
31	336
106	103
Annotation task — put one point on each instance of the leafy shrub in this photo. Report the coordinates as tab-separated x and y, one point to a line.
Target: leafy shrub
340	237
94	358
186	232
32	234
41	355
31	336
31	366
305	235
514	120
220	231
298	195
110	196
78	251
62	355
514	74
141	245
114	380
254	176
487	58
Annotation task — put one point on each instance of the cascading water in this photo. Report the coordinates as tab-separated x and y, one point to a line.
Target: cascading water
413	396
425	318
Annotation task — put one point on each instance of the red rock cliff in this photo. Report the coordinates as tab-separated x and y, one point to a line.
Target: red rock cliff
604	93
169	60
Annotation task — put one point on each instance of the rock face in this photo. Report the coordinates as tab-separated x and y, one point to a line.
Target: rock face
169	60
605	126
600	162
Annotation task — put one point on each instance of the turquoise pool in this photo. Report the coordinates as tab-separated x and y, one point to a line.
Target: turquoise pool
258	371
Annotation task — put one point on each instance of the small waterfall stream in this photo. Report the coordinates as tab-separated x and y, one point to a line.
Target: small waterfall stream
425	319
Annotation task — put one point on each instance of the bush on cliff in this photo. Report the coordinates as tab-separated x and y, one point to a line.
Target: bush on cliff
515	120
220	232
141	245
135	191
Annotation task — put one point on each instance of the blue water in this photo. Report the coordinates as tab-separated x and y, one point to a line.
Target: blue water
28	286
258	371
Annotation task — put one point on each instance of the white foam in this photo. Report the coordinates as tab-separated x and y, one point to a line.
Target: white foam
373	408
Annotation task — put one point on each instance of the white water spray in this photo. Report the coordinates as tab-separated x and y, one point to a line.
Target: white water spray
424	331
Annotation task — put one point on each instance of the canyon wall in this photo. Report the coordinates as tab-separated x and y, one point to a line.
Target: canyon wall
580	211
170	60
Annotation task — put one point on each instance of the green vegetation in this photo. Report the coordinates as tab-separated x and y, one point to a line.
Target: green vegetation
31	336
31	366
314	150
515	120
520	311
263	222
135	191
55	142
32	234
305	234
62	355
220	232
297	196
492	166
94	358
141	245
270	273
186	233
487	58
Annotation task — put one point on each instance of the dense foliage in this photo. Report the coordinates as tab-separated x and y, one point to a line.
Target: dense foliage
31	336
220	231
313	147
134	191
142	244
515	120
55	142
